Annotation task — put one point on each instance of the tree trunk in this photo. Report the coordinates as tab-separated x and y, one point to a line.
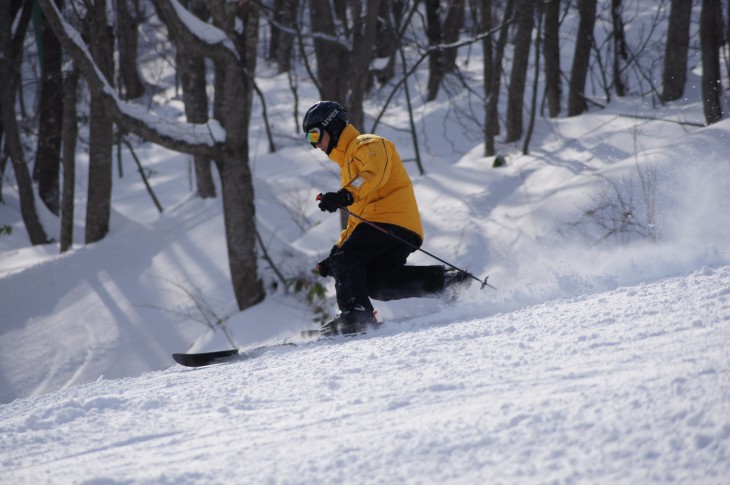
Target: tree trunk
535	82
485	25
620	52
581	58
70	134
518	76
711	40
192	72
433	34
333	58
127	22
453	23
491	123
50	107
674	75
282	41
232	107
11	53
362	52
387	41
101	128
551	54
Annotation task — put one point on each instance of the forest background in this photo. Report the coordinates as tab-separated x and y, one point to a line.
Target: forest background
88	86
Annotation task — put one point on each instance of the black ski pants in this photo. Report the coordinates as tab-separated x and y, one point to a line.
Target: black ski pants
371	264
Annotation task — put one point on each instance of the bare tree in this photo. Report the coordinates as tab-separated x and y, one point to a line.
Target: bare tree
579	71
282	37
491	113
13	26
344	46
50	110
540	9
128	19
711	40
442	61
192	71
518	76
620	51
387	40
551	54
453	22
330	48
674	74
232	46
70	135
101	125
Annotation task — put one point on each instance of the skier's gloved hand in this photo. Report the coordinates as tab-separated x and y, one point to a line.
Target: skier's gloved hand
331	201
324	268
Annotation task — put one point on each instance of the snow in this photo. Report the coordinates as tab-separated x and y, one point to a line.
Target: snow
626	386
601	357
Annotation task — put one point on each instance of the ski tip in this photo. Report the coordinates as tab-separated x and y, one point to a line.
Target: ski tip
206	358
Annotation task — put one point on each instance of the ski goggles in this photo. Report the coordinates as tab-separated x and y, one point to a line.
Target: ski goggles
314	136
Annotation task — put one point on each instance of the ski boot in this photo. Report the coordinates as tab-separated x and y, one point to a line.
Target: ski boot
455	281
349	322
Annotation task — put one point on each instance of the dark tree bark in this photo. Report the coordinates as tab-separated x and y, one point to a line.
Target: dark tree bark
620	51
491	123
711	40
329	49
50	110
581	58
533	102
282	40
453	22
674	75
101	127
192	72
12	33
364	33
387	40
433	34
236	179
485	25
518	77
70	134
342	73
127	23
551	54
442	61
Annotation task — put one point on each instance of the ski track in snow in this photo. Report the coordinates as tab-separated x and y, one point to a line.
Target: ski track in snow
628	386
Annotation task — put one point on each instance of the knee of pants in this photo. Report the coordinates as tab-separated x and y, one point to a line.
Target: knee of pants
376	291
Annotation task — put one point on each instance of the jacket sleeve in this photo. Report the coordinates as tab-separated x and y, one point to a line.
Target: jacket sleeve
369	169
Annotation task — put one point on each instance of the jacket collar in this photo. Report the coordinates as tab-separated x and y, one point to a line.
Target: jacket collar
339	153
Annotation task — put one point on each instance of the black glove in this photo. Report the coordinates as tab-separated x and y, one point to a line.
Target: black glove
324	267
331	201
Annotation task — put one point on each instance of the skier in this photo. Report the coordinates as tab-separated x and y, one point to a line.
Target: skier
369	260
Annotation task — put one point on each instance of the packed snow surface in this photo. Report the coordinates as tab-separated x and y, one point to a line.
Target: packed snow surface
602	357
626	386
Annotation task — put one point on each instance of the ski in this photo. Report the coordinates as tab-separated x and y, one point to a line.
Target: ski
223	356
205	358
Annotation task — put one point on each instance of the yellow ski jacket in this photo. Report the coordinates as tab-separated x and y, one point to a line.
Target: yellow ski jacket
373	172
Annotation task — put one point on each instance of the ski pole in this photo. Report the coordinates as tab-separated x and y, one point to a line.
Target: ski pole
395	236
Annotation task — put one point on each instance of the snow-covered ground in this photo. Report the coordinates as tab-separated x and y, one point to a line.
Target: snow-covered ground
602	357
626	386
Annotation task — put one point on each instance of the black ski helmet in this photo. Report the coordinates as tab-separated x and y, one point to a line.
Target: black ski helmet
330	116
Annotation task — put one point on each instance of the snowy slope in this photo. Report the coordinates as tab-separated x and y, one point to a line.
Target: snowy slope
626	386
601	358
